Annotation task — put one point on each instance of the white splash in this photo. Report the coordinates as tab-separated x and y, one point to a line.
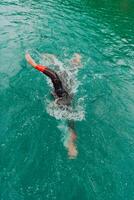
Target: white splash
66	112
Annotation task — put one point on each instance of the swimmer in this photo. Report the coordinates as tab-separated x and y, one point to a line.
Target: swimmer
61	96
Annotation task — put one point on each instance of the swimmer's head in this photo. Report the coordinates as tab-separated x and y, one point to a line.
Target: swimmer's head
64	100
61	92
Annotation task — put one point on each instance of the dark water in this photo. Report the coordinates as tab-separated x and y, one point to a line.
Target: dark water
33	160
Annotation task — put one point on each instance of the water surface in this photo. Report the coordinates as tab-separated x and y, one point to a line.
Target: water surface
33	160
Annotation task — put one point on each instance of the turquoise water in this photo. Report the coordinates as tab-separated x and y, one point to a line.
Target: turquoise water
33	160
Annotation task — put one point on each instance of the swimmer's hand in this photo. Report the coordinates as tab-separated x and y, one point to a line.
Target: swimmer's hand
30	60
76	60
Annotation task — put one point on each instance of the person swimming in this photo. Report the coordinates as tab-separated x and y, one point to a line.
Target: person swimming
61	96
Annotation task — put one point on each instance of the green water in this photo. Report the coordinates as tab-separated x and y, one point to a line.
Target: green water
33	160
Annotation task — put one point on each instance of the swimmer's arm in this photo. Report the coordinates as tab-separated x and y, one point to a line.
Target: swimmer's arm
48	72
32	62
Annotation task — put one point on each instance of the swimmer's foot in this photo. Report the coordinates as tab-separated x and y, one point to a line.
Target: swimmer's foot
72	150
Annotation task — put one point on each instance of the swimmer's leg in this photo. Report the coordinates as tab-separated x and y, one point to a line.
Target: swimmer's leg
72	150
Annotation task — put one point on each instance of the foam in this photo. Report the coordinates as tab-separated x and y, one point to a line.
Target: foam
66	112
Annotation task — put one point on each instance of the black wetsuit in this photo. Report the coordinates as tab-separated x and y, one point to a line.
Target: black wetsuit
58	87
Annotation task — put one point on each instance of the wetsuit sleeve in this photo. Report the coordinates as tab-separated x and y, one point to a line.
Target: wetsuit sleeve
41	68
59	90
46	71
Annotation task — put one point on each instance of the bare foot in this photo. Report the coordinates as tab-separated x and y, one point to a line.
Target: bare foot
72	151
